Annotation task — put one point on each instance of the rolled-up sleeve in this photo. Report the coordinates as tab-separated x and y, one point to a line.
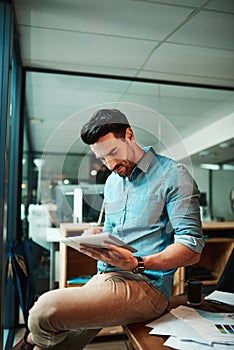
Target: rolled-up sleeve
182	202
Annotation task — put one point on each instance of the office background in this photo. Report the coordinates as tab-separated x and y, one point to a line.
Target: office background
59	59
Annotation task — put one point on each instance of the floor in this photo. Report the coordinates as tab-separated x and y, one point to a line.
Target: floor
115	340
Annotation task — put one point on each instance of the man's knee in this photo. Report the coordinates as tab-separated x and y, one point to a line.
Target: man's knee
43	314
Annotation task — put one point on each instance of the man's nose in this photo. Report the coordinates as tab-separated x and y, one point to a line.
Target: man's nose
111	163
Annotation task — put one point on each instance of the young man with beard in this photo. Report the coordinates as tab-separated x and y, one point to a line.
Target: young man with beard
151	203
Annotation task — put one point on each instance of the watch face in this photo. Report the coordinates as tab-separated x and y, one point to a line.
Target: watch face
139	270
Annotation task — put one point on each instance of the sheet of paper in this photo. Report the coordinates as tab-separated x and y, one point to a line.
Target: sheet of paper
195	329
176	343
179	344
221	297
168	325
210	326
163	320
164	325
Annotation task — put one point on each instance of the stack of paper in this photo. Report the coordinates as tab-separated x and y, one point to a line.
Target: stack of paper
193	329
221	297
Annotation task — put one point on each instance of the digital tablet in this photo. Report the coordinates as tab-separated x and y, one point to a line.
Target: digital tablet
96	241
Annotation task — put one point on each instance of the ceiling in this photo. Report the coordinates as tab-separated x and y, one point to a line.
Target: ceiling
153	43
221	154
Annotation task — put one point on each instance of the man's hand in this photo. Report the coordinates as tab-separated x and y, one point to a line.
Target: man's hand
113	255
91	231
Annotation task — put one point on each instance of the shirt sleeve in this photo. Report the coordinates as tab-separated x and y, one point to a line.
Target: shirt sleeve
182	203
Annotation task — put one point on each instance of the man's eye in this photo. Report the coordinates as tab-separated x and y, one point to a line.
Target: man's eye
113	153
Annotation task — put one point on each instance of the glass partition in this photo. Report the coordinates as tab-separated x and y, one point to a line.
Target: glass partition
162	115
10	173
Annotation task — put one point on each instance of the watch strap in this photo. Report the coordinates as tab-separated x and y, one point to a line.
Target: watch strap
141	266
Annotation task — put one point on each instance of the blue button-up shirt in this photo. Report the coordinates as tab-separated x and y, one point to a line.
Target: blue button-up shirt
157	206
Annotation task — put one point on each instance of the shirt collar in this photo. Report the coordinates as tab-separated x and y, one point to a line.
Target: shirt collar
147	159
144	163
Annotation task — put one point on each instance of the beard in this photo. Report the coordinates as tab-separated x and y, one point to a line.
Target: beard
124	168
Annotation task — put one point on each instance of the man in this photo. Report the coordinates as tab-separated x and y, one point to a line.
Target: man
151	203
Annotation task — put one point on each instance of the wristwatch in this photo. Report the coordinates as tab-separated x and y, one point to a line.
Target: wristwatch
141	266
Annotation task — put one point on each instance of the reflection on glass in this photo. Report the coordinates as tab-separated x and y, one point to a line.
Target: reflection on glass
58	105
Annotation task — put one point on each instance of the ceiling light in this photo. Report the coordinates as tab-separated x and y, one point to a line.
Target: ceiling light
228	167
210	166
225	145
36	120
204	153
93	172
66	181
207	153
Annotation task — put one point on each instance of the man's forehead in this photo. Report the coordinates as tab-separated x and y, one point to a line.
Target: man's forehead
104	145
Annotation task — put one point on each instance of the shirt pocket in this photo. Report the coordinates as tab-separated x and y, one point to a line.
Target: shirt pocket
114	212
145	209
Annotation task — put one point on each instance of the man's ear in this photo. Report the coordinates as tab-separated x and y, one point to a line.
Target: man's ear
129	134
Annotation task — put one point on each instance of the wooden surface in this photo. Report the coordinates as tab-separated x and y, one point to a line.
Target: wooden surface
74	264
215	225
138	333
139	337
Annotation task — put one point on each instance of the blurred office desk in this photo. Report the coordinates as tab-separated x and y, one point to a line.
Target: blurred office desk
219	229
70	264
219	245
70	229
53	236
75	267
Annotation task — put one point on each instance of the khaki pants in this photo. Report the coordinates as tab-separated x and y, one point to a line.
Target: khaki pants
69	318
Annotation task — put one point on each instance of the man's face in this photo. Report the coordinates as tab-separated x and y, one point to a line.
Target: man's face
116	153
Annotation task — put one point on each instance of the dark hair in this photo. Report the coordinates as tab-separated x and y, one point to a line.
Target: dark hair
102	122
